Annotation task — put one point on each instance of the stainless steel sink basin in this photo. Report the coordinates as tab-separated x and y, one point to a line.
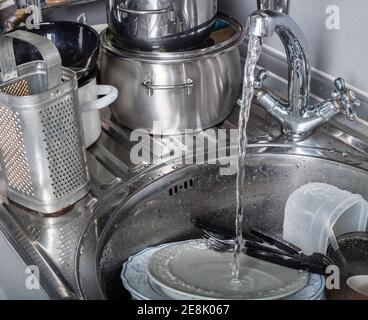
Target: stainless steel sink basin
160	204
133	206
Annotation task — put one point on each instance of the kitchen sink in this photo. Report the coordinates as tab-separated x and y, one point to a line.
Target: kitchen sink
133	206
162	209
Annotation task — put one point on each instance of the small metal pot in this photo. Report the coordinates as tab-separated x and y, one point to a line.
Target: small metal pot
149	24
194	89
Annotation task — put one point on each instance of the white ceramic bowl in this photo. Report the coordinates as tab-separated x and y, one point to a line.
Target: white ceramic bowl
359	284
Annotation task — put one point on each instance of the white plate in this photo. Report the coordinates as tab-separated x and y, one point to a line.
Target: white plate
192	271
135	279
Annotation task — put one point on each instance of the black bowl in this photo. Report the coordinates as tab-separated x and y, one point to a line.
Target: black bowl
78	45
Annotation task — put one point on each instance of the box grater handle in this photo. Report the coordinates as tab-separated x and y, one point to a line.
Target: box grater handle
47	49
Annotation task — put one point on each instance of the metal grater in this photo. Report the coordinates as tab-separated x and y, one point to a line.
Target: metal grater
41	142
13	153
65	158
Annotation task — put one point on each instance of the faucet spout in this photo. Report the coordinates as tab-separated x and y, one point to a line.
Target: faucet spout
264	24
297	116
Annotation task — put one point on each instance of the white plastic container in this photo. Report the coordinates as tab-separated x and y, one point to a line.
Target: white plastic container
90	106
317	213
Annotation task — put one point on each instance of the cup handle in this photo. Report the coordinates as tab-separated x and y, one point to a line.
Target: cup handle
109	94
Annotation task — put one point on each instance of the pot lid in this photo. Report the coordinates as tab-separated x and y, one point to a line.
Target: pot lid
226	35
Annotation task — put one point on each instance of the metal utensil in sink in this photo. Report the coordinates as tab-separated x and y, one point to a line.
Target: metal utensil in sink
41	142
268	248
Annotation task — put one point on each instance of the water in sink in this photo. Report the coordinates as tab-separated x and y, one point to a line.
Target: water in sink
254	51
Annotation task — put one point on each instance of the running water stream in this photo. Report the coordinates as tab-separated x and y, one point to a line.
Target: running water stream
254	51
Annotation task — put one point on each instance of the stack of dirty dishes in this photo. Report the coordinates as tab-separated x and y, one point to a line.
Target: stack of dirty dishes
315	214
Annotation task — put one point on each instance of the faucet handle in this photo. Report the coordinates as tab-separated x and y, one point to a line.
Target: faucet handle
340	84
261	77
347	98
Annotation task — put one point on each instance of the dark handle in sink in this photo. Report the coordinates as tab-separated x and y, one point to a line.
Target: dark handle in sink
288	261
277	242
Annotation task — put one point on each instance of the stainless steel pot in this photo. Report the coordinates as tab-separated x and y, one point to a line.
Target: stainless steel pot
151	24
183	90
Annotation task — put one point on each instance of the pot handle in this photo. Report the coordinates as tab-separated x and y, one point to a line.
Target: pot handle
110	94
152	87
45	47
144	12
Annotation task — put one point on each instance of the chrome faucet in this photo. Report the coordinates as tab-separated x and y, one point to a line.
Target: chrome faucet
298	118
